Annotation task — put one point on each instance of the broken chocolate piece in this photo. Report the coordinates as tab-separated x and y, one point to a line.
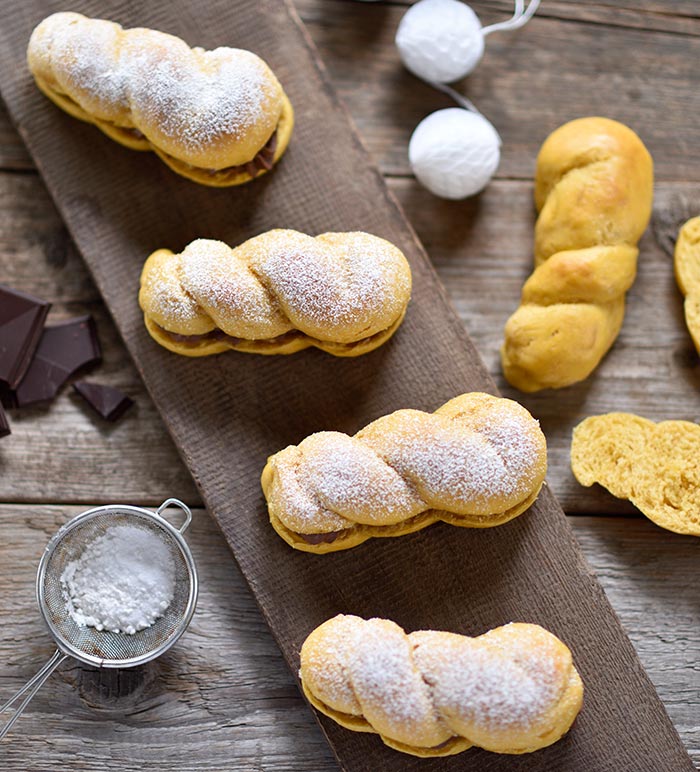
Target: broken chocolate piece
63	349
109	402
4	424
22	319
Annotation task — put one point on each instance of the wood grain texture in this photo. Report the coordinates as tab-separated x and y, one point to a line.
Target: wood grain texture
222	699
653	368
120	205
623	60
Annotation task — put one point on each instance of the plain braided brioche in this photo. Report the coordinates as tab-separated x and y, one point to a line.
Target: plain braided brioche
687	267
218	117
277	293
593	190
512	690
478	461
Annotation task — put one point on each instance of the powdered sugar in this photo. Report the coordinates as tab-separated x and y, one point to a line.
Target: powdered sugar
349	477
462	468
186	101
334	283
492	683
89	64
428	686
220	281
340	287
409	462
195	97
295	502
122	582
387	684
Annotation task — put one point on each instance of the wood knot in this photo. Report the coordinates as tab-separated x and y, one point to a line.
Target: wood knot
108	689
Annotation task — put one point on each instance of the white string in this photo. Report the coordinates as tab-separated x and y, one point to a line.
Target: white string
461	100
520	17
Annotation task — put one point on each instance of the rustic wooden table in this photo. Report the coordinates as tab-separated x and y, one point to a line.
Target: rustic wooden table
223	698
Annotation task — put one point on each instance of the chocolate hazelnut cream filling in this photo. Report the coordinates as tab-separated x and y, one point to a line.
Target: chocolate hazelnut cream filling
262	161
331	536
220	335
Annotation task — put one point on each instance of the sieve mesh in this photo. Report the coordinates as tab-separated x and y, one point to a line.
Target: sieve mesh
105	648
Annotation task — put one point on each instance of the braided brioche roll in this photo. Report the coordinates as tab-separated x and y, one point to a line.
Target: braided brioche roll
593	190
277	293
217	117
512	690
687	267
478	461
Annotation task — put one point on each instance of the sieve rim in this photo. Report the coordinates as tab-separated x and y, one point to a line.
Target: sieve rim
68	648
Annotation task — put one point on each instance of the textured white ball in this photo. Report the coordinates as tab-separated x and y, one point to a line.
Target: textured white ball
454	152
440	40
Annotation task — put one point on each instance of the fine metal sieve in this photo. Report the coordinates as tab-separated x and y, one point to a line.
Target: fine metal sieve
103	648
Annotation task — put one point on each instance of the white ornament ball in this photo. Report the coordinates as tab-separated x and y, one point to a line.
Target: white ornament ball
440	40
454	152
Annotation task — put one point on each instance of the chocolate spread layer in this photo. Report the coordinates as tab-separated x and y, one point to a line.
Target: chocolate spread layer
219	335
263	160
321	538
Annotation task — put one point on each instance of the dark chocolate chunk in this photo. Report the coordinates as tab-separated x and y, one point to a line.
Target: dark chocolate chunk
4	424
109	402
62	350
22	319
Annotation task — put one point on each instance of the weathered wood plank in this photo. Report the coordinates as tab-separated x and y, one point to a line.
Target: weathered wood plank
680	16
529	81
670	8
653	368
223	699
114	210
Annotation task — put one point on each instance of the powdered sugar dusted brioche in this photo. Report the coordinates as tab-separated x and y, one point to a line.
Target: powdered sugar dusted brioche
277	293
218	117
512	690
478	461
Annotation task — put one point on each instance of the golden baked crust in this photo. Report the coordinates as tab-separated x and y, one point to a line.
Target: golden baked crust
477	462
593	190
512	690
277	293
655	466
687	267
207	114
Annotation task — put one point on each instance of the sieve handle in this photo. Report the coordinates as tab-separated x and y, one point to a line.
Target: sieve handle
176	503
32	686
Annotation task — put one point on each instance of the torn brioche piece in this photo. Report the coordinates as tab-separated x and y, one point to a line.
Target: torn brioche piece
476	462
216	117
687	267
277	293
511	690
655	466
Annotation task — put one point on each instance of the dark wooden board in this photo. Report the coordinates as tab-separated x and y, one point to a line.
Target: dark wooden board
228	413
